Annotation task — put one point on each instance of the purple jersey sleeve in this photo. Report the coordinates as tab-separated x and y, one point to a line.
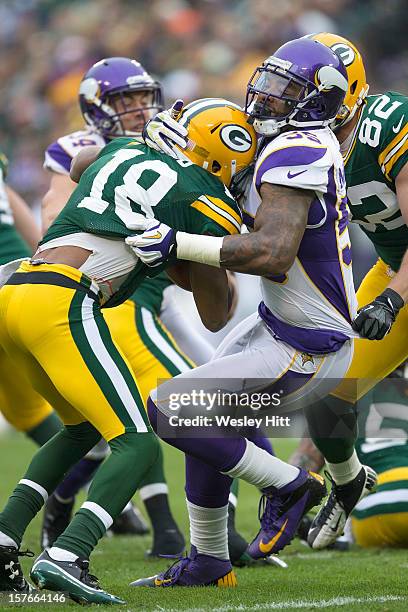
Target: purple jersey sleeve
57	159
295	160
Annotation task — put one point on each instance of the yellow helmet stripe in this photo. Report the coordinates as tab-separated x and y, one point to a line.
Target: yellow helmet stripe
211	214
191	110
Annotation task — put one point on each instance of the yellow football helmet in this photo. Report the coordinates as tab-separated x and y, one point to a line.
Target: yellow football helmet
220	139
353	62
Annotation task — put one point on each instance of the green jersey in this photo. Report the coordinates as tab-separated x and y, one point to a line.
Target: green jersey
383	426
128	180
377	153
149	293
12	246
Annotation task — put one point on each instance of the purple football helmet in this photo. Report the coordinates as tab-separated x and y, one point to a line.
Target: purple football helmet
108	101
302	85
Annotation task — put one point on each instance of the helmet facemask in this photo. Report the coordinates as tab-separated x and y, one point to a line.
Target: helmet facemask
277	98
130	110
117	97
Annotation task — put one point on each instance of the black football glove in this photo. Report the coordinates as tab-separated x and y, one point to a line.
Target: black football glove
374	321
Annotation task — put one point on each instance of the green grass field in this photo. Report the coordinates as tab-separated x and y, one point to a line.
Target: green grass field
357	580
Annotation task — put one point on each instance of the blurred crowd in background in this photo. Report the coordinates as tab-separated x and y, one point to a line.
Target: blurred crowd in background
195	47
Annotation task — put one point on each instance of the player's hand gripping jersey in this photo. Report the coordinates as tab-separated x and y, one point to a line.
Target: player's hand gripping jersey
376	154
129	180
310	307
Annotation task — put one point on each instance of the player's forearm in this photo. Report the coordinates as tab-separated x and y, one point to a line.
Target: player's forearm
61	188
24	219
248	253
400	281
253	254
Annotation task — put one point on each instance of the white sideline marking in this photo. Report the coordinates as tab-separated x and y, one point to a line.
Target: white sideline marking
295	603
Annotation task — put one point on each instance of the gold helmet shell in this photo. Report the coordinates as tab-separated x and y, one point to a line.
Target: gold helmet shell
220	139
356	76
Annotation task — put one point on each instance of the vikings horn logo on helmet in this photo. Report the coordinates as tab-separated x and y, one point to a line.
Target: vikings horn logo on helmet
328	77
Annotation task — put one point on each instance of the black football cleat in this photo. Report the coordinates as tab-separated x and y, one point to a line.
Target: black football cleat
169	541
57	516
237	545
71	577
11	574
130	522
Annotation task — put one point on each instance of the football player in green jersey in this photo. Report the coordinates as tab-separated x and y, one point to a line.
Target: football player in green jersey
136	326
52	306
373	135
381	519
21	406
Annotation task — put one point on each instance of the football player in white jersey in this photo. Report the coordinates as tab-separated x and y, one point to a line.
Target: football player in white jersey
300	341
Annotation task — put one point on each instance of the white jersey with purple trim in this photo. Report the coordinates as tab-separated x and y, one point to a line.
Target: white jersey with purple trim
60	153
317	293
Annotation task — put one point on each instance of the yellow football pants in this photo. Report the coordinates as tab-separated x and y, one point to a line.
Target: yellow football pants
146	344
52	328
381	519
20	405
373	360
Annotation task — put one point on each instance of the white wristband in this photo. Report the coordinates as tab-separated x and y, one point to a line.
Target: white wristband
202	249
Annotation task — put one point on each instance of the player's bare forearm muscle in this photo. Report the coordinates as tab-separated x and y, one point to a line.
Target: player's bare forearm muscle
279	225
210	292
24	219
400	281
55	199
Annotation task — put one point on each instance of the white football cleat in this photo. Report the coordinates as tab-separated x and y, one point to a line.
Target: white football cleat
329	523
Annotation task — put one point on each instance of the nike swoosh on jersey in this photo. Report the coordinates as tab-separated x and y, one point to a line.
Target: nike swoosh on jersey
293	174
265	548
396	128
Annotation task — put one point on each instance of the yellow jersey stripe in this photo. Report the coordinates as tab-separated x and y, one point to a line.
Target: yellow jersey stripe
393	475
224	206
211	214
402	148
383	155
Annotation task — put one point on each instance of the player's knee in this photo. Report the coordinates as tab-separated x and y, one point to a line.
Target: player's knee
83	433
136	447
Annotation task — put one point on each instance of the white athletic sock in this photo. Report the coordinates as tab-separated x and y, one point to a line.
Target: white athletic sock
5	540
151	490
59	554
208	530
346	470
261	469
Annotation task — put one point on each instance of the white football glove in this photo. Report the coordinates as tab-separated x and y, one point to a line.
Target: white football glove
163	132
155	244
